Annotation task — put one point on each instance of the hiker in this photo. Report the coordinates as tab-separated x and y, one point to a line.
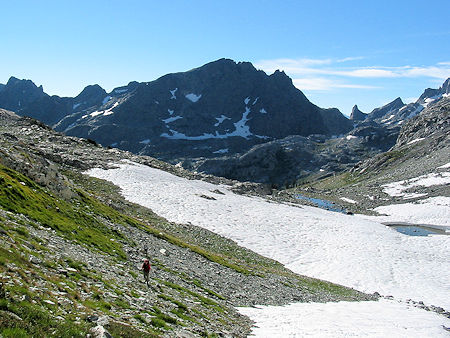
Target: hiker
146	267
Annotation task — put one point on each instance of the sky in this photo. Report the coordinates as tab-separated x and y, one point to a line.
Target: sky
339	53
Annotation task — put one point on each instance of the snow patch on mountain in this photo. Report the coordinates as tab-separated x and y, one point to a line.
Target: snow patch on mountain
416	140
348	200
445	166
385	318
433	210
241	130
193	97
171	119
221	151
106	112
220	120
172	92
397	189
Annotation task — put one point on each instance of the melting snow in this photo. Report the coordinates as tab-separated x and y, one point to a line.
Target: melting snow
192	97
263	111
175	135
416	140
76	105
398	188
110	110
350	137
221	151
147	141
429	100
241	129
170	111
120	91
433	210
171	119
256	100
385	318
221	119
445	166
348	200
173	97
246	100
106	112
96	113
350	250
389	118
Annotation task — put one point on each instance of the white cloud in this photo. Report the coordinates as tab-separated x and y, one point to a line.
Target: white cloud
351	58
321	74
320	83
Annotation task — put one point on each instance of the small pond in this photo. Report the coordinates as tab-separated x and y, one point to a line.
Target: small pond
324	204
417	230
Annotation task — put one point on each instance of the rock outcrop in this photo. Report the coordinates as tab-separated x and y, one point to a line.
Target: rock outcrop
357	115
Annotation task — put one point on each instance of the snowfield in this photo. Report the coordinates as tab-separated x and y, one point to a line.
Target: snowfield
344	319
350	250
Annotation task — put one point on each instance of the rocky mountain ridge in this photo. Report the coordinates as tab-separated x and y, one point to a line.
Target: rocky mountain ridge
396	112
224	118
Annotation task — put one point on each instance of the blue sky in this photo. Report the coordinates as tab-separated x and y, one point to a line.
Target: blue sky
339	53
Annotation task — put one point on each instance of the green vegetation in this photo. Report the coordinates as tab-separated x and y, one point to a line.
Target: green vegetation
78	221
24	319
117	329
202	299
335	182
317	286
140	318
212	293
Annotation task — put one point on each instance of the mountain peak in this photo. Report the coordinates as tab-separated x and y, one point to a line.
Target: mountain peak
12	81
446	86
24	84
397	101
91	94
357	115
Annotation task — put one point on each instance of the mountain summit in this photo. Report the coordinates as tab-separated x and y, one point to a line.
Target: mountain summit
221	107
357	115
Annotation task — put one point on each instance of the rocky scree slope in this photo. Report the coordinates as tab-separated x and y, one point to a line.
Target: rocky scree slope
71	249
422	148
284	163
